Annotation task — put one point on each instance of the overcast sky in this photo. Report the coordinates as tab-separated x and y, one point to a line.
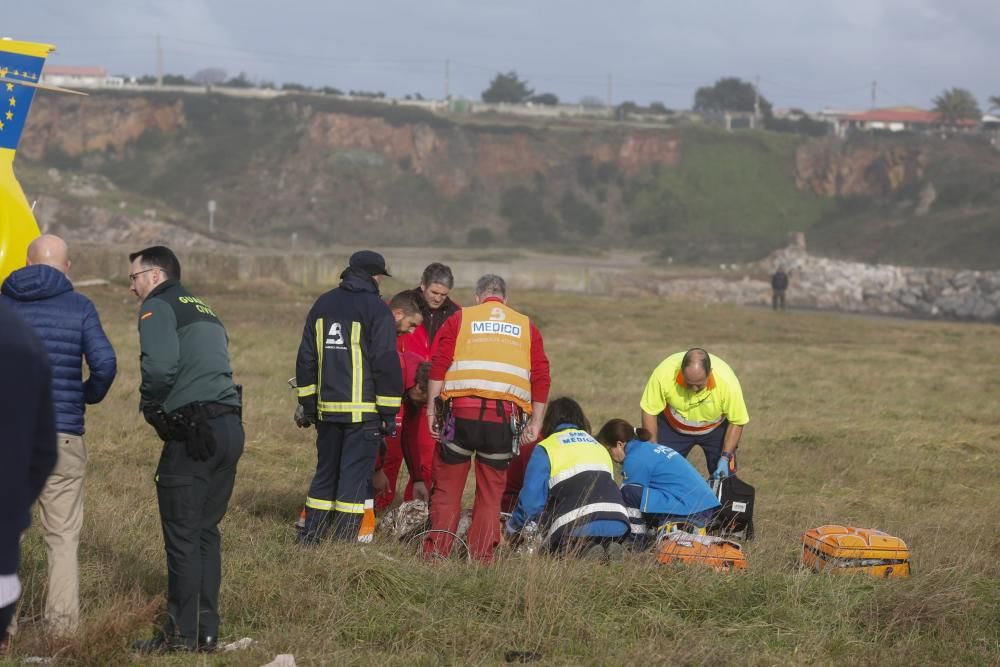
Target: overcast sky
807	53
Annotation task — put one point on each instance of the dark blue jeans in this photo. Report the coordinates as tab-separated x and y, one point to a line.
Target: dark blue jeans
641	538
632	495
711	443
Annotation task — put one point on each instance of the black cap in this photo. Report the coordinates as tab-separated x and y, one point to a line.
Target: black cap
370	262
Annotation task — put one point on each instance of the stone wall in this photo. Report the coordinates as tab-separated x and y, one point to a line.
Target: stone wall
815	282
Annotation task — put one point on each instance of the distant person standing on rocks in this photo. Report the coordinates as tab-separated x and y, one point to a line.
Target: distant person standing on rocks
779	284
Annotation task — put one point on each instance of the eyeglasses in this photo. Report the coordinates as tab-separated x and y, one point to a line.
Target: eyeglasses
133	276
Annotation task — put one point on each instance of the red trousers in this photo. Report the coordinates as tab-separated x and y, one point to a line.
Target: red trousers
446	507
392	460
414	446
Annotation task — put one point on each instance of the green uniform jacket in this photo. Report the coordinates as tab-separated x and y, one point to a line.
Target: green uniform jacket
184	351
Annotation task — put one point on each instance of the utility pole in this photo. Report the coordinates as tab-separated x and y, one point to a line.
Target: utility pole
447	79
211	216
756	101
159	63
756	97
610	90
874	87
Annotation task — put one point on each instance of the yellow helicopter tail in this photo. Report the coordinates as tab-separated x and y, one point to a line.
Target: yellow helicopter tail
19	62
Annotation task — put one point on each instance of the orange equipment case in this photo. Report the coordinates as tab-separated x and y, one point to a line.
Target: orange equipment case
839	549
688	548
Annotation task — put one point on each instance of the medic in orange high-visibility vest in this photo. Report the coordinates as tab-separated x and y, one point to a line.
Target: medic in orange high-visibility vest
693	398
490	369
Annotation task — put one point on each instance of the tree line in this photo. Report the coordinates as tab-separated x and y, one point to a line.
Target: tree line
955	105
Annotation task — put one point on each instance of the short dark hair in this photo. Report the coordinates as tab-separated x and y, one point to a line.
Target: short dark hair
437	273
694	355
564	410
162	258
423	375
406	302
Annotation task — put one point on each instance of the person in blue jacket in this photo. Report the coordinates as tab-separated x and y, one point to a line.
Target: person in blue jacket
569	489
659	486
70	329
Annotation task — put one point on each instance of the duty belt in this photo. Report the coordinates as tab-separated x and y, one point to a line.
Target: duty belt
211	410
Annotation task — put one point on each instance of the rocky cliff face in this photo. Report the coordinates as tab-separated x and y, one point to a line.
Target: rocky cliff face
324	170
308	169
100	124
830	169
449	155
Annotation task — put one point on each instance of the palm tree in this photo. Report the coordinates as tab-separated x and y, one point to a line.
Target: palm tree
995	102
956	105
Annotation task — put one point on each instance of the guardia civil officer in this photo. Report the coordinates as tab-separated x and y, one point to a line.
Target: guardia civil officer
349	385
187	394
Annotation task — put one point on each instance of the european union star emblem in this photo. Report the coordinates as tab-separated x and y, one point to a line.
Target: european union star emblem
15	99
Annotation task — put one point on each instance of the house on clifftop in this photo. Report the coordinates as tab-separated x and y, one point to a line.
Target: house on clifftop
894	119
67	76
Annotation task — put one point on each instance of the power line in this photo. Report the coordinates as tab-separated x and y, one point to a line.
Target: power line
804	91
299	56
179	46
896	99
93	38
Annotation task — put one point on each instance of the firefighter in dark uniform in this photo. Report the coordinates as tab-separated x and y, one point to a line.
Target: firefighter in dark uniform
187	394
349	385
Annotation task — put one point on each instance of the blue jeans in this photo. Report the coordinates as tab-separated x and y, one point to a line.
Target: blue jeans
711	443
641	536
632	495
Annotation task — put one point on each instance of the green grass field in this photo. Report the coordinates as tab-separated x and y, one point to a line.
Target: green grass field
880	423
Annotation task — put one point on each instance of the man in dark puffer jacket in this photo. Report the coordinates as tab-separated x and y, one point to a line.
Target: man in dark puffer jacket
68	325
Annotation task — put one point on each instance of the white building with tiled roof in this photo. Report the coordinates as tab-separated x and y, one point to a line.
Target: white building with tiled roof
67	76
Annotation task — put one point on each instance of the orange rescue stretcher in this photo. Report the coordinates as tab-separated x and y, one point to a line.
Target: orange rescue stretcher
715	552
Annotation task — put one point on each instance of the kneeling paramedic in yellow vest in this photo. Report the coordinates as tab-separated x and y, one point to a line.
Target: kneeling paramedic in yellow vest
570	490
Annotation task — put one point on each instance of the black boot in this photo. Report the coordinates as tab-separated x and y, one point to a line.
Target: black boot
160	643
316	524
